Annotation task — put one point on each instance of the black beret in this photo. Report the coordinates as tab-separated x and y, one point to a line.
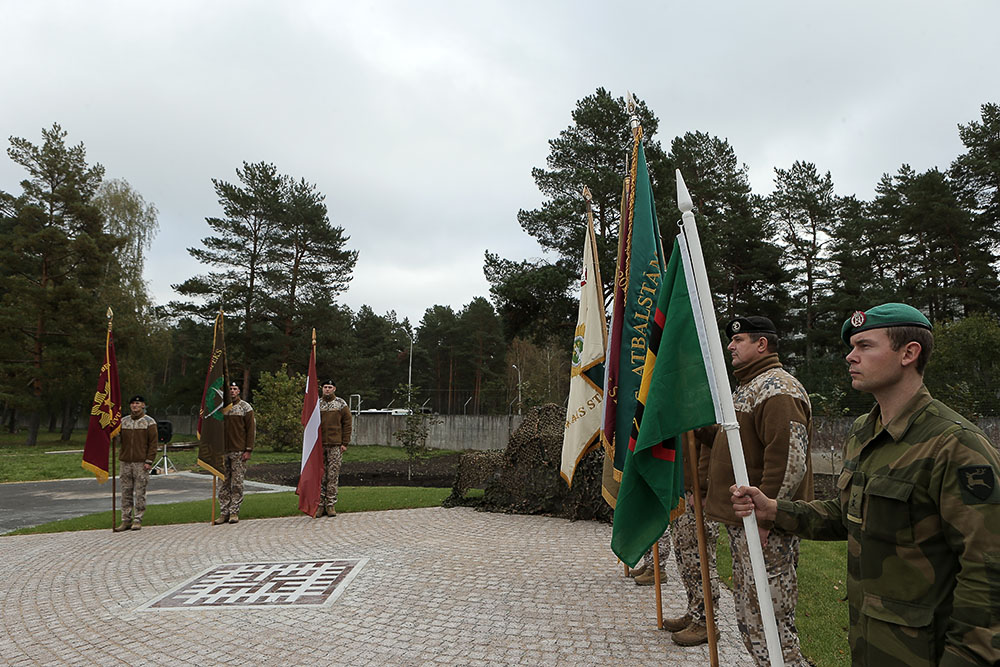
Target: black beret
752	324
330	382
233	384
880	317
137	397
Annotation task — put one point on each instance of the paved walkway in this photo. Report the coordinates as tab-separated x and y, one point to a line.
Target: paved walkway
442	586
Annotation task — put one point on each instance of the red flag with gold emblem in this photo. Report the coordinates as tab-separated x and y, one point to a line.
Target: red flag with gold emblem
105	414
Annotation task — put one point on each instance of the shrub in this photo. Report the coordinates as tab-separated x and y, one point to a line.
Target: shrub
278	409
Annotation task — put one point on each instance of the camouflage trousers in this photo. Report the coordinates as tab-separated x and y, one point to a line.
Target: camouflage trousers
663	547
781	557
332	457
231	490
684	530
133	477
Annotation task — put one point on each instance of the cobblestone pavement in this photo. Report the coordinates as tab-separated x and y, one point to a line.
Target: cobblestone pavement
442	586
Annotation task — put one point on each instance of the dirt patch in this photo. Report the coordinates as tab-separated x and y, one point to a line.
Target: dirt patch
437	472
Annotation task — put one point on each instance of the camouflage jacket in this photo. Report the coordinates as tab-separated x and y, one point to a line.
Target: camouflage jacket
138	439
241	427
919	507
775	419
335	422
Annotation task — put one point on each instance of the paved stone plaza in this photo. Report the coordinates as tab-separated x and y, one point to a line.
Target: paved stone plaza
440	586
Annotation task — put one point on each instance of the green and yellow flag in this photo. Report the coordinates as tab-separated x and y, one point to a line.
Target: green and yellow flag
636	288
215	403
675	397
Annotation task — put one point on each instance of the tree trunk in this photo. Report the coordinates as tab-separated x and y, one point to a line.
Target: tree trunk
53	421
33	422
69	420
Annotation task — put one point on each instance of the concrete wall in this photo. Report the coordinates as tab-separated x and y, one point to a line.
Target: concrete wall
454	432
480	432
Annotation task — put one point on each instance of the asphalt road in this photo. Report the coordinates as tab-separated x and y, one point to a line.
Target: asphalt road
24	504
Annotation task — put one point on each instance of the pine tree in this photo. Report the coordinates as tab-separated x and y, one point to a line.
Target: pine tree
743	262
54	253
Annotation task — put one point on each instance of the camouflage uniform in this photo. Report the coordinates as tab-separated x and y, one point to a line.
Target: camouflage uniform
335	429
241	429
663	546
775	418
138	448
919	507
684	531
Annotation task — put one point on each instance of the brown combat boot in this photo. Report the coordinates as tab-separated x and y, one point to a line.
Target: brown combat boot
223	518
234	518
331	511
320	511
136	525
693	635
123	526
636	571
676	624
647	578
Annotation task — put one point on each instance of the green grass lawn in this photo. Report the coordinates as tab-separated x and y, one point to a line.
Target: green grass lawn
19	463
821	615
259	506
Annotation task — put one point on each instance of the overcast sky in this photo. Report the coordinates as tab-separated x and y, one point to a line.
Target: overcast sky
421	121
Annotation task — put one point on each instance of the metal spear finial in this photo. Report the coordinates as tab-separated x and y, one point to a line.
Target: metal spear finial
632	109
684	202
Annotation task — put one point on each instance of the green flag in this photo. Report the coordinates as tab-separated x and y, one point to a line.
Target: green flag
675	396
215	403
637	285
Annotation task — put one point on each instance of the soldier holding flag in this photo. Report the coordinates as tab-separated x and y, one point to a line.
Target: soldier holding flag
241	428
775	420
138	449
335	420
919	506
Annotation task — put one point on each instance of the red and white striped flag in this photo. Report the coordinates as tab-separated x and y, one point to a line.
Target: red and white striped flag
311	472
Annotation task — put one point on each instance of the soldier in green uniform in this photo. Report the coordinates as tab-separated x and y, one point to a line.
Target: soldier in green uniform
919	506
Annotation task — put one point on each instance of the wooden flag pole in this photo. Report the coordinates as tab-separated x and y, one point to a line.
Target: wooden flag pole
114	488
656	583
225	390
706	581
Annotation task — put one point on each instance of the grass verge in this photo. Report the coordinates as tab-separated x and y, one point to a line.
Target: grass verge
821	615
19	463
259	506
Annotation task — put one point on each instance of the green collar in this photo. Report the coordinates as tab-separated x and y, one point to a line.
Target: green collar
898	427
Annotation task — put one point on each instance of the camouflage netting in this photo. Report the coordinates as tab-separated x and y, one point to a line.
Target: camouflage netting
525	479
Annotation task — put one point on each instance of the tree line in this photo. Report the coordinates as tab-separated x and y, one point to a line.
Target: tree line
802	255
73	243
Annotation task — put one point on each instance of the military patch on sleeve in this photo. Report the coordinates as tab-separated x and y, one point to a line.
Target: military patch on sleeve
977	481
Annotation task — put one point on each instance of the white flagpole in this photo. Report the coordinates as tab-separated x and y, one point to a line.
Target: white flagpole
729	423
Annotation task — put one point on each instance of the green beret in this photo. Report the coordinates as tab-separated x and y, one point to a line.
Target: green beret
880	317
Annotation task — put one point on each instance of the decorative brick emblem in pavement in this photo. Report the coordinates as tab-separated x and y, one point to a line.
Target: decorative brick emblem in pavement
243	585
